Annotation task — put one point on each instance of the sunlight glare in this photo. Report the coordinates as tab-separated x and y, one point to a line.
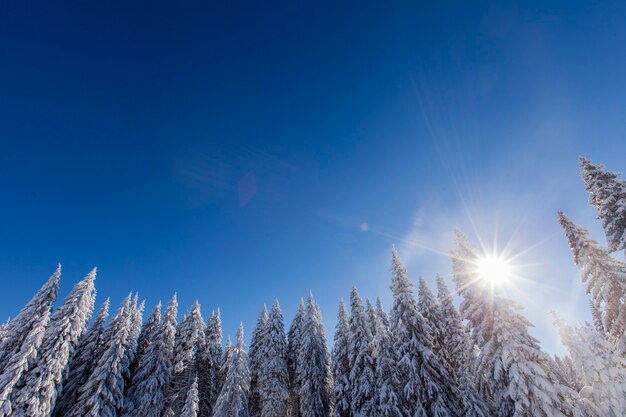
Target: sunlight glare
494	270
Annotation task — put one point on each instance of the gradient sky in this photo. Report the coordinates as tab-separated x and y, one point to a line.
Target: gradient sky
237	153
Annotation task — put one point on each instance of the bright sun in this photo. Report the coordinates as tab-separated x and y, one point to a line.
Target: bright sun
494	270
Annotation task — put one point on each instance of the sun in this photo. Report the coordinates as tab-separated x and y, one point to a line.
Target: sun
493	269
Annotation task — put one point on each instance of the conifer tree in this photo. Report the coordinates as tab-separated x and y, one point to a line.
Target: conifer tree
608	194
418	371
82	362
313	365
386	397
130	350
40	385
256	359
233	400
146	338
567	372
24	335
605	277
342	392
209	372
371	317
360	353
190	409
516	374
380	312
294	341
274	375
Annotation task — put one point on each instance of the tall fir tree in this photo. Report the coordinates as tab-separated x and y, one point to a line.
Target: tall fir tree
418	372
605	277
256	359
146	338
371	317
361	358
516	374
209	372
608	194
313	365
82	362
190	409
274	374
24	335
380	312
233	399
294	341
342	393
38	391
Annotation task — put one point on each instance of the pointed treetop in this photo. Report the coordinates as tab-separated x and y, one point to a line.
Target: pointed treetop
240	343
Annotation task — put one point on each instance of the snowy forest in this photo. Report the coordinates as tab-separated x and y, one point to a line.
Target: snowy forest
422	357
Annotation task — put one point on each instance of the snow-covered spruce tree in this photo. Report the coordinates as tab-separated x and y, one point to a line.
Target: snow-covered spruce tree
209	369
23	338
567	372
380	313
233	400
38	390
103	393
274	375
515	373
419	373
371	317
340	364
294	341
361	359
83	361
190	342
603	372
146	338
130	351
459	353
190	409
386	398
146	394
429	308
313	365
255	355
605	277
608	194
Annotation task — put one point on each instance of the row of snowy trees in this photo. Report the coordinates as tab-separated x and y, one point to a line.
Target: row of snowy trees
421	358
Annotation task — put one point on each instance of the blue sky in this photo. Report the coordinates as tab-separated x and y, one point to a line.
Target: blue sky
236	153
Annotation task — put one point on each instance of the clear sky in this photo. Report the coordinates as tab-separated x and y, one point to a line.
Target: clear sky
244	152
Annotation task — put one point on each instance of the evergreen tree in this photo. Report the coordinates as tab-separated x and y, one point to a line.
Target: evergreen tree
342	392
382	316
136	320
371	317
360	353
608	194
567	372
103	393
146	338
189	344
24	335
233	400
603	372
225	362
40	385
605	277
386	398
209	372
274	375
313	365
256	359
294	341
83	361
516	373
190	409
419	373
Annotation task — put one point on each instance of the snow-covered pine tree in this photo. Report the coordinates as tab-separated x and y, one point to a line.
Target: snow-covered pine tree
371	317
255	355
419	373
386	398
605	277
515	373
233	400
380	312
225	361
608	194
459	353
190	409
274	375
361	360
567	372
190	342
103	393
294	341
429	308
82	362
313	365
146	338
38	390
603	372
130	350
209	371
342	392
23	338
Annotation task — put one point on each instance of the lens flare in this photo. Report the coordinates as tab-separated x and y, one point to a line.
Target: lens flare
494	270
